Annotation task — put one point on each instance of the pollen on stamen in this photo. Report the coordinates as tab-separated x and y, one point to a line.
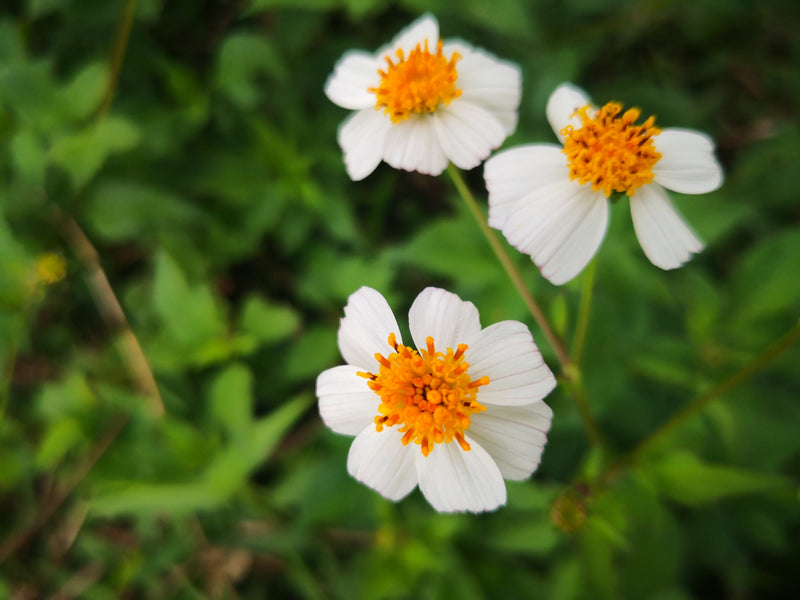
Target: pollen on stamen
427	393
417	83
609	151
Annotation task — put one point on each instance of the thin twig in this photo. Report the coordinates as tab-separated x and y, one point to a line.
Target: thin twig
118	56
590	426
703	400
133	357
583	313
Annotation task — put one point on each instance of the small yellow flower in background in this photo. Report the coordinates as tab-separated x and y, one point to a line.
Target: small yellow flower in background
50	268
422	102
551	202
455	415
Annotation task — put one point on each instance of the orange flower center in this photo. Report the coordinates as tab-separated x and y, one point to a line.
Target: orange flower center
610	151
427	392
416	84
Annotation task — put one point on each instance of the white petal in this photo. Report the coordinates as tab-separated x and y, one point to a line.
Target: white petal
346	404
687	164
560	226
413	146
352	76
666	240
424	28
444	316
507	354
513	436
467	132
486	81
561	107
365	328
362	137
453	480
511	174
380	461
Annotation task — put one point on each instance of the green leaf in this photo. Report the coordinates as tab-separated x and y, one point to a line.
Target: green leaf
314	352
268	431
83	95
257	6
530	536
224	476
15	269
231	401
40	8
242	58
59	439
174	499
30	92
132	210
454	248
70	396
763	284
189	313
229	470
83	153
686	479
268	322
29	155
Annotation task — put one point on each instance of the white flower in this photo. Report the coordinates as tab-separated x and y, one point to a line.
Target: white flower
421	102
551	202
469	399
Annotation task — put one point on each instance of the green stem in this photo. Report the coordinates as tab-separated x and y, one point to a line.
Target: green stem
568	367
582	403
703	400
510	269
583	313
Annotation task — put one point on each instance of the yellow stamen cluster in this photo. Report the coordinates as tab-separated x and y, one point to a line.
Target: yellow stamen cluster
427	392
418	83
610	151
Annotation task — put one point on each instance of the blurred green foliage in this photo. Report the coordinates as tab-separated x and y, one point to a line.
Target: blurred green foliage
204	169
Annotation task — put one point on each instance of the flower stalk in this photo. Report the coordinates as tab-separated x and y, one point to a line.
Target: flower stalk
722	388
508	266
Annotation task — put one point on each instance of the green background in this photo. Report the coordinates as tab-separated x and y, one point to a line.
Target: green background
208	178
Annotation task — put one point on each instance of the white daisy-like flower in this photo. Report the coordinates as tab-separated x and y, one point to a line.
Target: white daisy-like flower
552	202
455	416
422	102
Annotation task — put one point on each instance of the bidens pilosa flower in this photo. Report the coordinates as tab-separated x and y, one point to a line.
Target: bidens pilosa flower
422	102
455	415
551	202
